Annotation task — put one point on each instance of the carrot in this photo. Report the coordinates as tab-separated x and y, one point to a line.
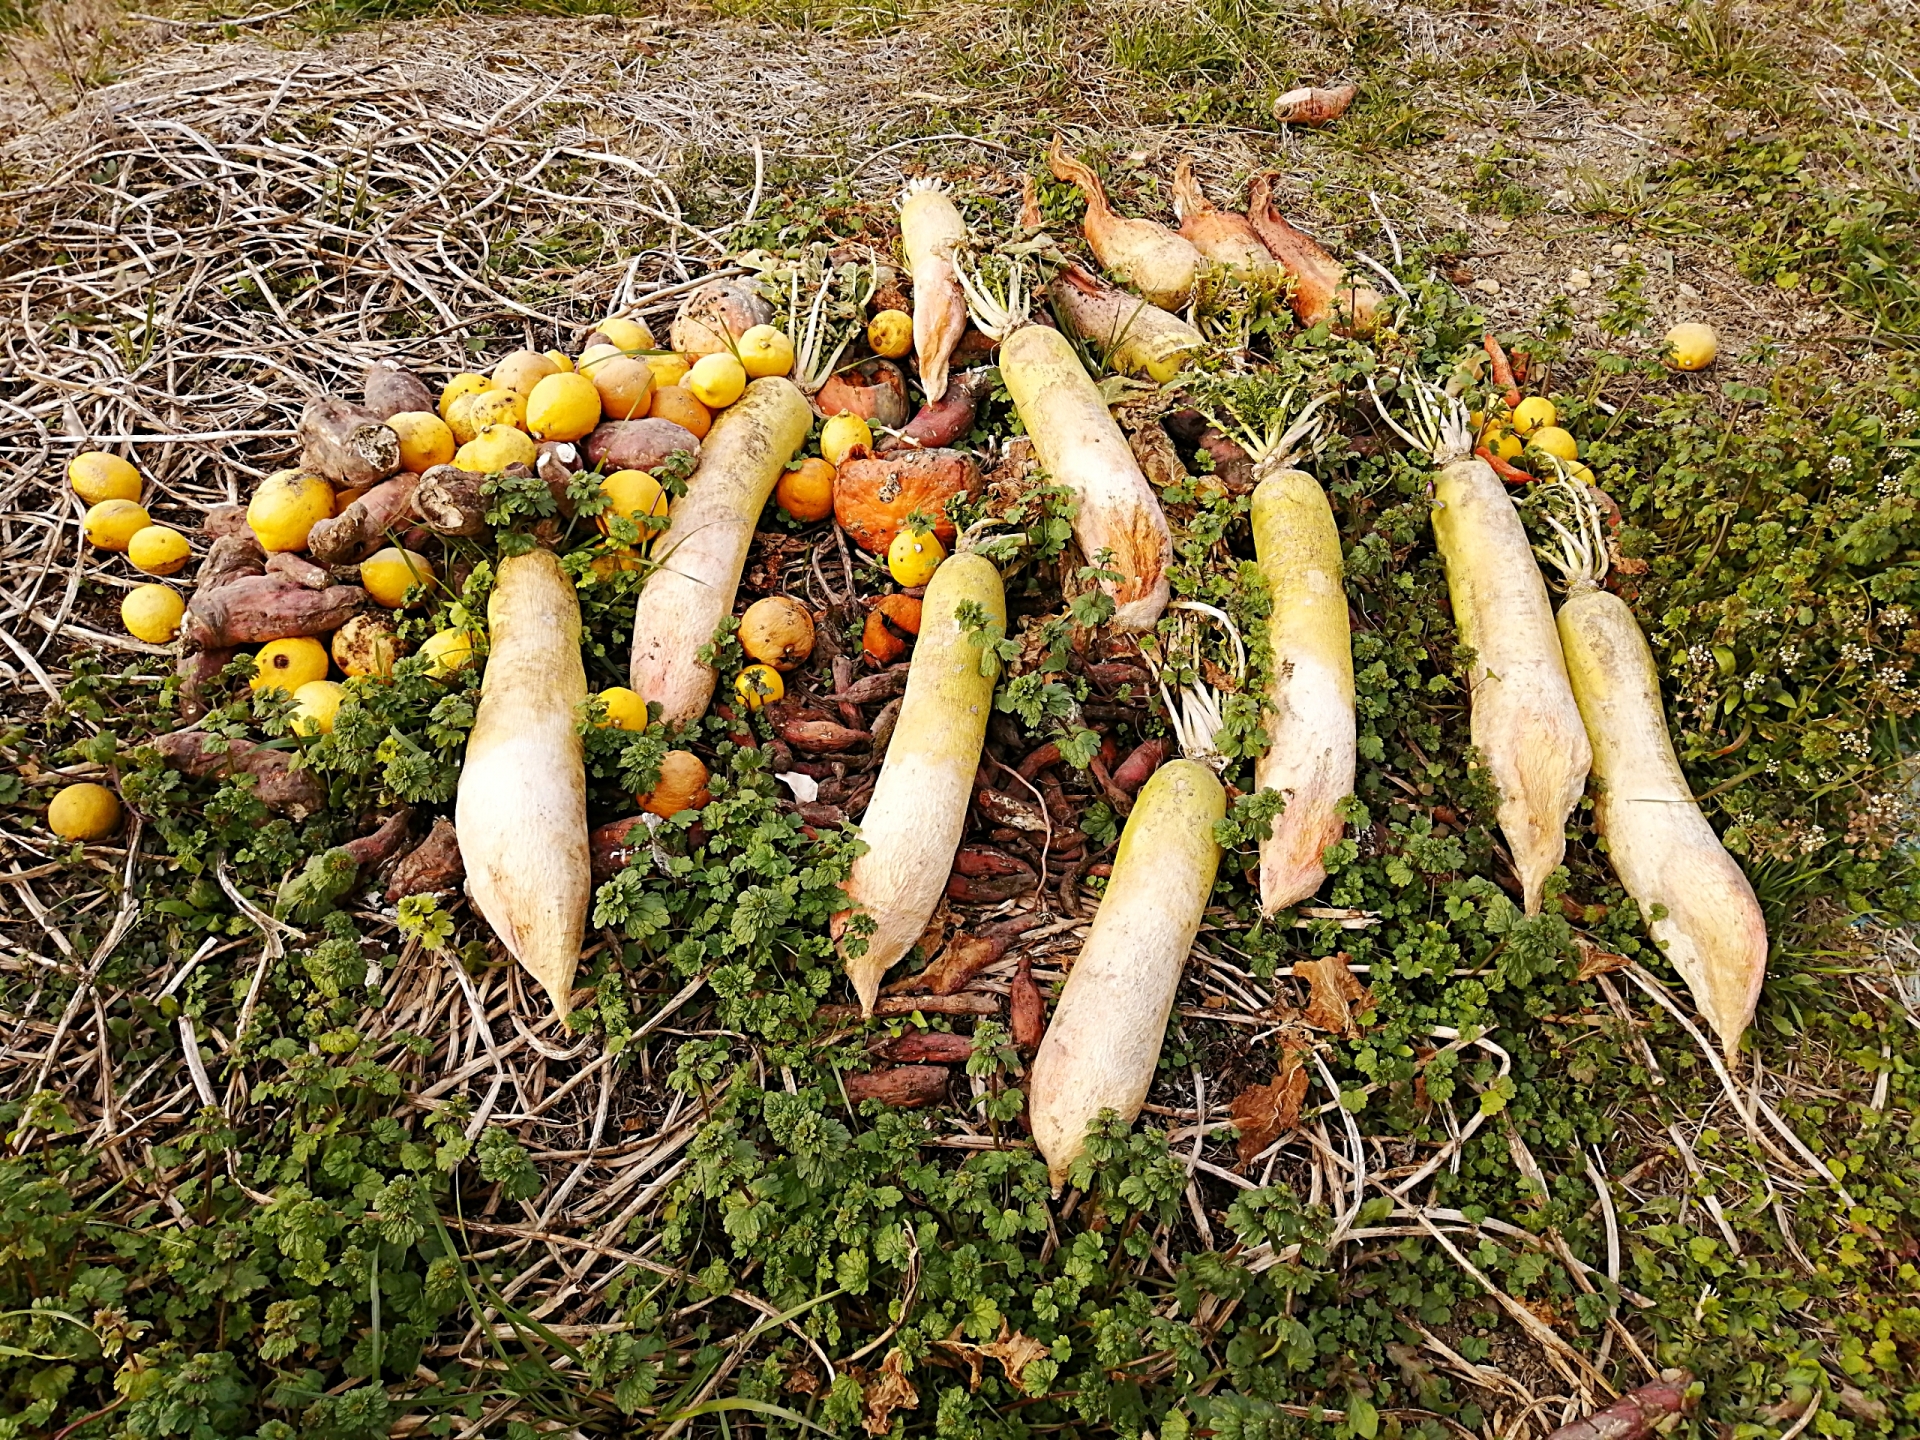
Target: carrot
1660	845
1321	290
1141	253
1502	371
918	813
704	547
1224	237
1524	721
930	229
1132	336
1082	448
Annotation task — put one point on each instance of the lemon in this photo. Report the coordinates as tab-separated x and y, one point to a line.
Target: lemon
521	370
625	710
287	505
1500	441
289	664
364	646
1532	413
497	407
1581	473
633	494
1552	440
625	387
562	362
717	380
111	524
912	559
616	560
494	449
594	356
84	812
315	705
465	383
425	440
765	350
758	685
890	333
563	407
460	417
1692	346
668	369
447	651
839	436
389	574
158	550
96	476
152	613
628	335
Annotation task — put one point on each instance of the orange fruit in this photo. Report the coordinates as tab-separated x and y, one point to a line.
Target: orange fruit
676	403
807	493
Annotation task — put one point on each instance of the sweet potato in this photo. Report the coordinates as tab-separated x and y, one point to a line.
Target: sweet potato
234	556
296	568
1640	1414
387	390
1322	289
902	1087
431	866
945	420
349	445
254	608
293	793
638	444
366	525
927	1047
224	520
1026	1008
872	497
199	672
448	501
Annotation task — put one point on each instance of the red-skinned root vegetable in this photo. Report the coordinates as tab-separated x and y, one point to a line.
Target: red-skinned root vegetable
349	445
1502	371
946	419
1523	719
230	558
913	825
1082	448
432	866
1026	1008
289	565
448	501
1104	1041
1661	846
704	547
611	845
521	811
927	1047
1232	466
362	528
293	793
874	496
1314	104
1641	1414
875	390
900	1087
199	672
1132	335
1321	289
224	520
383	844
387	390
254	608
1223	236
889	1007
1141	253
638	444
930	228
1145	758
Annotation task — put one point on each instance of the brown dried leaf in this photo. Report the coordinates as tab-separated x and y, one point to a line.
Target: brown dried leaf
1595	961
1263	1113
965	957
1014	1352
1334	997
890	1390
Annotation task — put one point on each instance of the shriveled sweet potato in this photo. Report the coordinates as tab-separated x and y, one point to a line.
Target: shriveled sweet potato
927	1047
364	526
388	390
946	419
349	445
872	497
432	865
254	608
199	672
294	793
223	520
290	565
638	444
902	1087
233	556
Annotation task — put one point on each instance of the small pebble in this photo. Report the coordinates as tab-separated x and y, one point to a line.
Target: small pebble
1620	252
1487	287
1579	280
1687	292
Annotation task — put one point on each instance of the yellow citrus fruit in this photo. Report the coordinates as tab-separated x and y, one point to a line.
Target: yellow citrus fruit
96	476
1692	346
152	613
634	494
765	350
112	524
158	550
1556	442
628	335
425	440
1581	473
625	710
1532	413
289	664
460	417
447	651
563	407
465	383
1501	441
562	362
594	356
840	434
890	333
365	646
717	380
912	559
807	493
389	574
522	370
668	369
625	387
497	407
315	705
758	685
615	560
343	498
286	507
494	449
84	812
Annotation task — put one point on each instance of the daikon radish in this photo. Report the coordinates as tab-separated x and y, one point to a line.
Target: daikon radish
1141	253
521	812
1103	1043
1133	336
930	229
1321	288
1524	721
704	547
1082	448
1224	237
1661	846
912	826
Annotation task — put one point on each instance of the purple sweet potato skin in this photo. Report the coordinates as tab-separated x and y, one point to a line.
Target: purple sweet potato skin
638	444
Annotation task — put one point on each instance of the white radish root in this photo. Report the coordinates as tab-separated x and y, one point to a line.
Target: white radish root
930	230
1223	236
1134	337
1141	253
